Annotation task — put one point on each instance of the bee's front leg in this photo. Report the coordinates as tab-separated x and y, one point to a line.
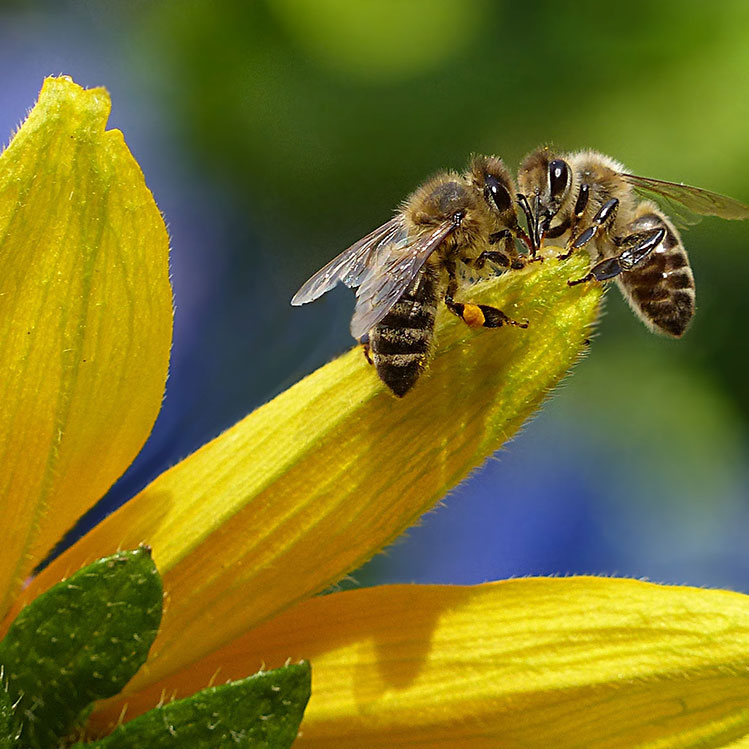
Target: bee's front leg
502	259
581	204
602	223
506	257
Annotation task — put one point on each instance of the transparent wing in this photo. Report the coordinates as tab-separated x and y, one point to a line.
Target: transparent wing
695	199
393	270
353	263
681	216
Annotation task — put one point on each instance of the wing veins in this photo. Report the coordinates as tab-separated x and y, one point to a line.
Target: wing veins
351	265
696	199
390	276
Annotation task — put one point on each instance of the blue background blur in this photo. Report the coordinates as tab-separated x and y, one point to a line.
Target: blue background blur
275	133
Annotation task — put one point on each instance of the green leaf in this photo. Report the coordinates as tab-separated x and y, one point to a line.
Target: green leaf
80	641
8	732
263	710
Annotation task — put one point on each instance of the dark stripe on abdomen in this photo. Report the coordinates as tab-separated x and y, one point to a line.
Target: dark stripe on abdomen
662	290
401	342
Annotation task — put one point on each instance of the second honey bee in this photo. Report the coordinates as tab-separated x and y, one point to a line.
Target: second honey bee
404	268
590	200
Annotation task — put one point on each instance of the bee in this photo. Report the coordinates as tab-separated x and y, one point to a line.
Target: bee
593	201
404	268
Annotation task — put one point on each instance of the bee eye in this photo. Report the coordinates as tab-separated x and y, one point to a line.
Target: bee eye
559	177
499	193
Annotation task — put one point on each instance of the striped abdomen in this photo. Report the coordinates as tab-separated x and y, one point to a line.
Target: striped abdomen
660	289
401	343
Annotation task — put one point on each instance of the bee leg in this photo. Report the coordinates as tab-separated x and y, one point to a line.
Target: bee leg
470	314
602	221
580	205
481	315
364	340
475	315
501	236
508	257
495	318
478	315
502	259
493	256
637	248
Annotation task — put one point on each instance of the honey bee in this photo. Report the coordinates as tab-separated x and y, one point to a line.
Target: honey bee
404	268
592	201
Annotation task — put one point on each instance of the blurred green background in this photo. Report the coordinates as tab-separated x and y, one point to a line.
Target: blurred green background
276	132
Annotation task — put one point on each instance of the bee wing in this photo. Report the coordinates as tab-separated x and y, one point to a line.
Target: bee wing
393	270
695	199
352	264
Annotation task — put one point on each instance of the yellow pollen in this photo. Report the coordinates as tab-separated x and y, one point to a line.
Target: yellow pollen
473	315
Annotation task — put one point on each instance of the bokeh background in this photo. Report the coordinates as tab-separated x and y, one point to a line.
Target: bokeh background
274	133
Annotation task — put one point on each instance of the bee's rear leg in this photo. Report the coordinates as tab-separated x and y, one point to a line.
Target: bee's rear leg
495	318
637	248
481	315
476	315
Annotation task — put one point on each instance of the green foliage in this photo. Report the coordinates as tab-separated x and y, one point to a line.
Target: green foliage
80	641
85	638
8	732
326	141
263	710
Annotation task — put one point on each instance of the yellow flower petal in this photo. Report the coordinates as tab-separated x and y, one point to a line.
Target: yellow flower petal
312	484
85	319
584	662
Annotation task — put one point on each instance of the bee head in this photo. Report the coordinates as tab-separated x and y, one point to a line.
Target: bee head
490	177
545	182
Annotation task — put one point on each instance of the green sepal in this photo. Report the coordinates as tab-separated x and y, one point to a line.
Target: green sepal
81	641
263	710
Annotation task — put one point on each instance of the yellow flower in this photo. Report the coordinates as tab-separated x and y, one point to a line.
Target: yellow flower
311	485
